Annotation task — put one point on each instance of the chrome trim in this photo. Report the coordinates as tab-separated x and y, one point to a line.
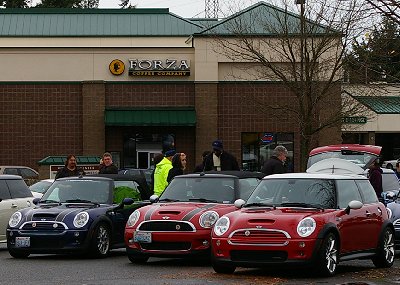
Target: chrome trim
167	221
259	244
396	223
44	222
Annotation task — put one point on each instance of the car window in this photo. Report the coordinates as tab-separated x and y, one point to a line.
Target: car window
126	189
390	181
25	172
246	187
40	186
347	191
367	191
12	171
18	188
4	192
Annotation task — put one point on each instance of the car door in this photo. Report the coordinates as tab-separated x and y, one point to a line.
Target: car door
20	194
353	226
7	208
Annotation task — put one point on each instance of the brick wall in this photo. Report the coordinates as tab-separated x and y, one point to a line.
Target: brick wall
38	120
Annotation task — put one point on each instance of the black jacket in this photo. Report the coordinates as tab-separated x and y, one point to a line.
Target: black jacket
111	169
273	166
65	172
228	162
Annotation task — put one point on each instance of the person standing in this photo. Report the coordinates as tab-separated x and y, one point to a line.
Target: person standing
375	178
161	172
157	159
397	170
275	164
219	159
70	168
178	166
106	165
200	167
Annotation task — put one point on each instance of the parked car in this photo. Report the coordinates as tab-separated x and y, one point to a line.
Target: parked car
145	173
14	196
390	164
309	219
29	175
179	223
40	187
85	214
361	155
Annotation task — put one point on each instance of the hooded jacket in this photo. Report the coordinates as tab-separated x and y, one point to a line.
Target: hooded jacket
375	177
160	175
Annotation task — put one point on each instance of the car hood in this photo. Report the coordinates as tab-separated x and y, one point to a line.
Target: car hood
184	211
57	212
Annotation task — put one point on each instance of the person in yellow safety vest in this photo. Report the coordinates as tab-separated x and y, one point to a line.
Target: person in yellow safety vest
161	172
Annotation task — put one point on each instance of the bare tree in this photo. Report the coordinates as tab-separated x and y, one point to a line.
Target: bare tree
387	8
302	47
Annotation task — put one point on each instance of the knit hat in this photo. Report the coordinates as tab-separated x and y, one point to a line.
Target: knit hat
217	144
170	152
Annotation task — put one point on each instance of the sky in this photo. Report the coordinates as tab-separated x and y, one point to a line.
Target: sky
183	8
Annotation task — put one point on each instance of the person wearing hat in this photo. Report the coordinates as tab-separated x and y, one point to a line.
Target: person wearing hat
161	172
219	159
275	164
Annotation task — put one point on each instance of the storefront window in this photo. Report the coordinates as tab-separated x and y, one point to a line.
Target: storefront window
258	147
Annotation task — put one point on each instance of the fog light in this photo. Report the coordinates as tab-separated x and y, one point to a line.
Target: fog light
205	243
218	242
301	253
11	234
76	234
302	244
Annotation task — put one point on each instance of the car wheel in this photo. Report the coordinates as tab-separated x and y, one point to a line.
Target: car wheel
225	268
137	259
101	241
386	250
327	260
18	253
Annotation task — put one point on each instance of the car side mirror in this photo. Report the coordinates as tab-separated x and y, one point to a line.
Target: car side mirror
239	203
35	201
154	199
127	201
353	205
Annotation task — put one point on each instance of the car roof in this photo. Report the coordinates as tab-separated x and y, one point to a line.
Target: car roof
223	174
9	177
374	149
303	175
84	177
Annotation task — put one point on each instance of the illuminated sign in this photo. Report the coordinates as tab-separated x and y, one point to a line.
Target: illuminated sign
156	67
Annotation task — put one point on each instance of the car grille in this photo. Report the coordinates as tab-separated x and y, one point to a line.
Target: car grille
258	256
166	246
167	226
259	237
43	226
396	223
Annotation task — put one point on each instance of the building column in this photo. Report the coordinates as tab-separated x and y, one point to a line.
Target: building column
93	102
206	104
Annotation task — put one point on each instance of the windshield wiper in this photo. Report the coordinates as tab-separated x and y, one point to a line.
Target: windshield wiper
258	204
204	200
81	201
168	200
302	205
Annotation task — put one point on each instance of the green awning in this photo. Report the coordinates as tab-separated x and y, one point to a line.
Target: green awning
150	117
381	104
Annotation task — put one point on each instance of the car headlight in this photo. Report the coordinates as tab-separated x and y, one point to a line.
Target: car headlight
306	227
133	218
15	219
81	219
389	213
221	226
208	219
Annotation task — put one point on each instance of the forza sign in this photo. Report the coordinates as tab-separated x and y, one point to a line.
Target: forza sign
157	67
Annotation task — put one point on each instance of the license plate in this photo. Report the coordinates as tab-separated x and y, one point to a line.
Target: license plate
22	242
142	237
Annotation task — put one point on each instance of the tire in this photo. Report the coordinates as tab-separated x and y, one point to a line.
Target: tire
18	253
137	259
386	250
101	241
327	257
224	269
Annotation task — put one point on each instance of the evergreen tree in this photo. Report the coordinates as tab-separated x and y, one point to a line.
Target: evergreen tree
14	3
68	4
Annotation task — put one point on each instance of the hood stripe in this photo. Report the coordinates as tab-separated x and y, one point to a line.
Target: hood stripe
192	213
150	212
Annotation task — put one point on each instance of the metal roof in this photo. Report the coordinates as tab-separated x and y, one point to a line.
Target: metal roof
381	104
54	22
265	19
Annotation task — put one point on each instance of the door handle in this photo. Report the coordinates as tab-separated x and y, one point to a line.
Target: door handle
367	213
13	206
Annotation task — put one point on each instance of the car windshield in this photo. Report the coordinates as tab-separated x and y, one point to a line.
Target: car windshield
96	191
361	159
319	193
202	189
40	186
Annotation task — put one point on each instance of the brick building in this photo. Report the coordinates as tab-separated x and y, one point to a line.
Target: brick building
128	81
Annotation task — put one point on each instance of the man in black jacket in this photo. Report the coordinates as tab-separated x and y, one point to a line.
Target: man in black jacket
275	164
219	159
106	165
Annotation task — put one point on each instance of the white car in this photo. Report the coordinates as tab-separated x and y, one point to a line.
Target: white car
40	187
14	195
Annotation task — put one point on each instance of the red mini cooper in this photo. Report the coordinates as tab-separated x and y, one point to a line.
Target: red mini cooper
180	222
309	219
